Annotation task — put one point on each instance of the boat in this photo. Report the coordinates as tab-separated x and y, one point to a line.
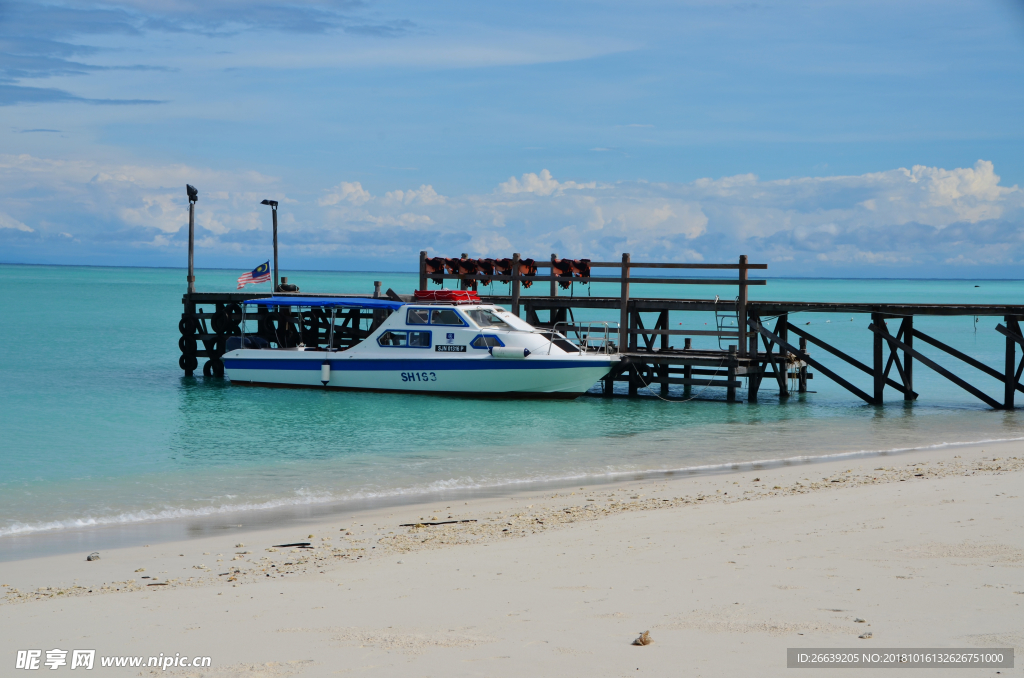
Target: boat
441	343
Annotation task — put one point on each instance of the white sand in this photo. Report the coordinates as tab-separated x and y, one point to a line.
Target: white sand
724	584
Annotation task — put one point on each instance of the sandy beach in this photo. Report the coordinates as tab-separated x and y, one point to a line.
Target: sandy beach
921	549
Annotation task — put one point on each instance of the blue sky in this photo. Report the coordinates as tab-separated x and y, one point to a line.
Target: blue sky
827	138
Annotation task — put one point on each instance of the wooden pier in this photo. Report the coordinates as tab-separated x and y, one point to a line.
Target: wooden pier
768	347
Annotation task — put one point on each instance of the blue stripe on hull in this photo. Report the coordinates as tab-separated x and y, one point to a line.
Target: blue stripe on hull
411	364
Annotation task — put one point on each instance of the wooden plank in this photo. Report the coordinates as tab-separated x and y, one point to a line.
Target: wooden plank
991	402
814	363
616	264
958	354
1010	335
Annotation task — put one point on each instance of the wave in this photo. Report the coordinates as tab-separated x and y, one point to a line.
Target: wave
467	485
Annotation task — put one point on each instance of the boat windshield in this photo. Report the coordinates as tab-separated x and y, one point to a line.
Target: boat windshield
485	318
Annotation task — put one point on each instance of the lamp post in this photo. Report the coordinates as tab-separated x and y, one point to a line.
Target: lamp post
273	211
193	196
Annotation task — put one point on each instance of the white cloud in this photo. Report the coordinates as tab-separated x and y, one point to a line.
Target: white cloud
7	221
923	216
540	184
351	192
425	195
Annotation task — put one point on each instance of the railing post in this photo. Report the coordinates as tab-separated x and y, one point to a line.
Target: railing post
423	270
554	285
624	306
879	367
741	307
1010	372
515	284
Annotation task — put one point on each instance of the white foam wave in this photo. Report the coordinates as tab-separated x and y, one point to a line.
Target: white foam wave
464	484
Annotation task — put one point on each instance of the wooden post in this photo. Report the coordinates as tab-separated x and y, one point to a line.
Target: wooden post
423	270
687	369
376	289
554	285
1010	371
879	363
908	359
634	379
801	384
730	390
624	306
515	283
741	307
753	379
783	332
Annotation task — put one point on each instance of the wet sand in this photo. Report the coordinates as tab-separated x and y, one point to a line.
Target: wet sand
725	571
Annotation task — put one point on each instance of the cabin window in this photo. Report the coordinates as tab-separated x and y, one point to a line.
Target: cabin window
409	339
417	316
485	318
393	339
419	339
445	316
486	341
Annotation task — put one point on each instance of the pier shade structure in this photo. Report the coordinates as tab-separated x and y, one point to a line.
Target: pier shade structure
757	343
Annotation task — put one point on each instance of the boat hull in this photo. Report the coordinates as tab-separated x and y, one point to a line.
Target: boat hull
535	376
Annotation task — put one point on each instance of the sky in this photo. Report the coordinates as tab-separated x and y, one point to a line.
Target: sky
831	138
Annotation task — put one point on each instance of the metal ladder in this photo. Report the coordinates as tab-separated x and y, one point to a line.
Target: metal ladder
726	322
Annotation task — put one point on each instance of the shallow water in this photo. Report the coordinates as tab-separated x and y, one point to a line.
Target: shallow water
101	428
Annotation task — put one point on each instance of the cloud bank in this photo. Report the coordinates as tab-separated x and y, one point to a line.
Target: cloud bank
918	221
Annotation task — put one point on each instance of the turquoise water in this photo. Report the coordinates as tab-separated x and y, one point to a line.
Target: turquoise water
101	428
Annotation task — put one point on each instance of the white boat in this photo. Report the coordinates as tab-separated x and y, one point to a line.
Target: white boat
469	349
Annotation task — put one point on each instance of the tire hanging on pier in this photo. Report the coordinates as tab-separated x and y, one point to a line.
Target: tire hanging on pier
187	345
213	368
187	325
188	363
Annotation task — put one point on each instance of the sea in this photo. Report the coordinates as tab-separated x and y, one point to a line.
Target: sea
105	442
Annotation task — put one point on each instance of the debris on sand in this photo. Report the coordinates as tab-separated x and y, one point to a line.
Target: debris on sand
644	639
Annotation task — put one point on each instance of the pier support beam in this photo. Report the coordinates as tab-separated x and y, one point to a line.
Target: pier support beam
782	329
741	307
879	367
907	330
687	369
801	383
730	390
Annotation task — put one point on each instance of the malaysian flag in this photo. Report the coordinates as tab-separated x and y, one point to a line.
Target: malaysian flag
260	274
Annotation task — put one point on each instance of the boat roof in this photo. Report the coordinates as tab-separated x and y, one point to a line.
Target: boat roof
328	302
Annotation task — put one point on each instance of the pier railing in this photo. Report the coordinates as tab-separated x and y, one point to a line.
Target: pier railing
627	331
